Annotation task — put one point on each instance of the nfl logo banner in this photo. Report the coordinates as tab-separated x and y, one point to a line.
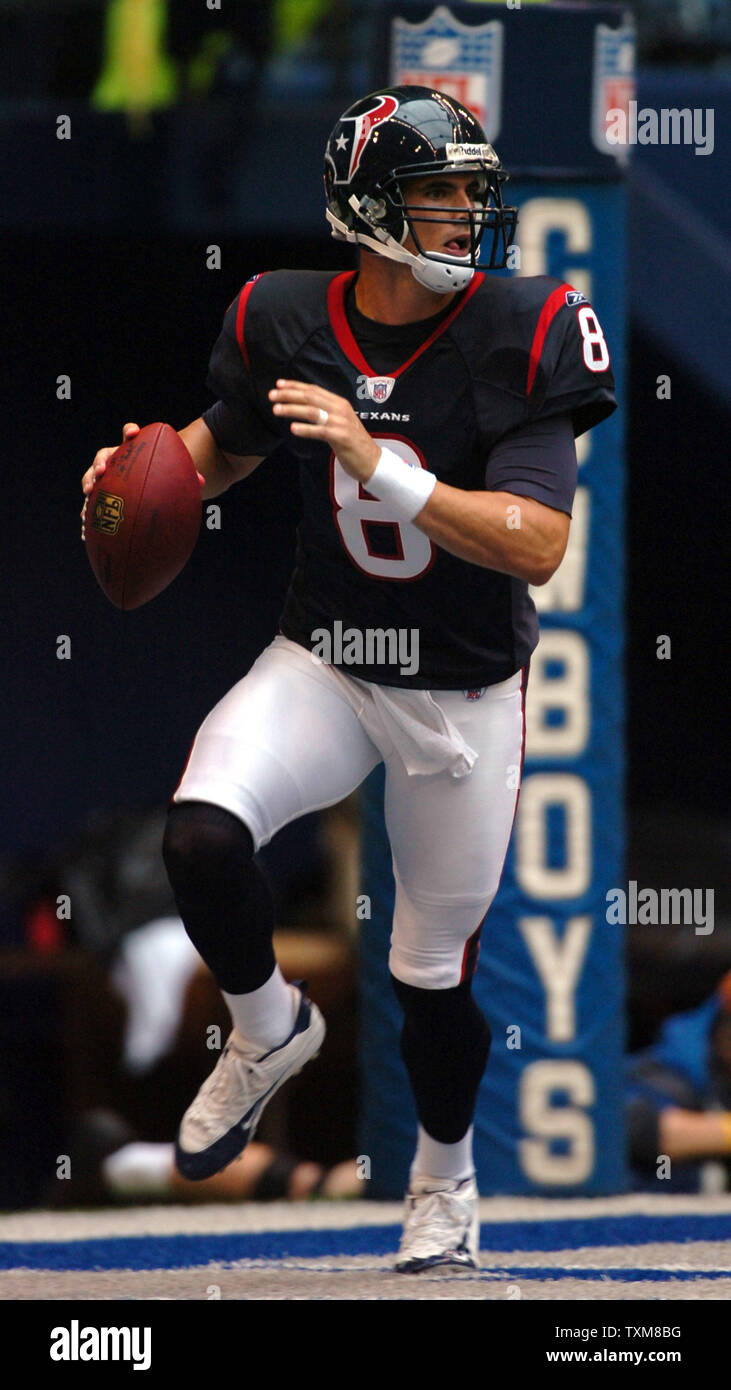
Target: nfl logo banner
613	83
463	60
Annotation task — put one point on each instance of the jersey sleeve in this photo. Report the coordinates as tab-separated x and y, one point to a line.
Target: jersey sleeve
239	421
569	370
539	461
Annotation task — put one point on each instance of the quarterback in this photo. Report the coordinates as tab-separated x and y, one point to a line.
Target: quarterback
431	409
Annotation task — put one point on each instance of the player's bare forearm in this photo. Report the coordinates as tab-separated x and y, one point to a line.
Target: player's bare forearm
216	470
690	1134
514	535
220	470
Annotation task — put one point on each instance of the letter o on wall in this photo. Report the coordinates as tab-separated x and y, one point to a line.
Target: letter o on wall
535	875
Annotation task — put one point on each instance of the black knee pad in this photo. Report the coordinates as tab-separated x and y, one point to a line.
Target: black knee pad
221	894
445	1044
202	838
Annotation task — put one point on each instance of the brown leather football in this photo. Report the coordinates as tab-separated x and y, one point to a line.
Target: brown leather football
143	516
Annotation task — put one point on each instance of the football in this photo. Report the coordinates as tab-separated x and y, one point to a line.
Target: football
143	516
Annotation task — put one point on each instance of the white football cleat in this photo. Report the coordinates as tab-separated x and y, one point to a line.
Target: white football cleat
441	1225
216	1128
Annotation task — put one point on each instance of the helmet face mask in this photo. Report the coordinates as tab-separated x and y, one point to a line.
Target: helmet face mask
484	215
393	137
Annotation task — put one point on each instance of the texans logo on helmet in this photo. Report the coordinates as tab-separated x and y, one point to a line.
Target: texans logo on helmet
364	125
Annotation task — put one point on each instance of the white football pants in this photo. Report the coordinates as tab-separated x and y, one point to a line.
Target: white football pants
296	735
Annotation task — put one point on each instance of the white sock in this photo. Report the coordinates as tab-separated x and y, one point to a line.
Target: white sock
266	1016
138	1170
435	1160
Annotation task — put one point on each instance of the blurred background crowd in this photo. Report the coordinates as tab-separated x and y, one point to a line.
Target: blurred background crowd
150	54
103	1005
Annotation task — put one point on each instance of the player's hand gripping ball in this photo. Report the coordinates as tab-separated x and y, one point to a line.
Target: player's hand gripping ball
142	516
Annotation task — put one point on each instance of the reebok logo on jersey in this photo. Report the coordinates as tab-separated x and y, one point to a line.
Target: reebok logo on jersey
575	297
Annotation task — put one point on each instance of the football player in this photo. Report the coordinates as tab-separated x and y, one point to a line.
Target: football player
432	410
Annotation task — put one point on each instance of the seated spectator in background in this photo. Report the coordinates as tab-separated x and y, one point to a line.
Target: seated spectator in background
147	1015
111	1165
679	1100
152	970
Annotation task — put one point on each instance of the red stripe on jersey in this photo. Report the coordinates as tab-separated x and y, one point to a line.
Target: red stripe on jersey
336	293
548	313
241	314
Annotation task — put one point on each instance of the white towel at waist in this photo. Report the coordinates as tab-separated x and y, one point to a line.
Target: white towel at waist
425	739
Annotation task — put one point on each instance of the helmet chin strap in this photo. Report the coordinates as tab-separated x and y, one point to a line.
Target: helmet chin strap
442	277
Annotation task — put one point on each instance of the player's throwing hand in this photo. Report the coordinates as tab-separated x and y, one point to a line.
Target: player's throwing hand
319	414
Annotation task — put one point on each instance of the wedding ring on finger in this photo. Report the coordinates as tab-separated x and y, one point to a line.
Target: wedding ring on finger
323	417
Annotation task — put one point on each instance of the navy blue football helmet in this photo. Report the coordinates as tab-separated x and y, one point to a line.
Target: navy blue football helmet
406	132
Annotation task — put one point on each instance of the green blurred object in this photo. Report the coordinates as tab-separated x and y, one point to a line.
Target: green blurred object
295	19
202	67
137	74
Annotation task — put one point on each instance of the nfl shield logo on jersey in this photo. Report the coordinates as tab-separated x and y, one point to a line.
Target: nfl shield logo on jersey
380	387
463	60
614	83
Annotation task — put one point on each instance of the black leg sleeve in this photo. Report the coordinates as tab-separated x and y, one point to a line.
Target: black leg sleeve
221	894
445	1044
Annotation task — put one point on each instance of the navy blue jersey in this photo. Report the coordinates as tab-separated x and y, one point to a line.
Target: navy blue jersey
506	355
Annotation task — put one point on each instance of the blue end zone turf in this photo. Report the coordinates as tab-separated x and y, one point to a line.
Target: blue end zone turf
186	1251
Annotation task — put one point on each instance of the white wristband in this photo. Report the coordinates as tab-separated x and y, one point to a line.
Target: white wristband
404	486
